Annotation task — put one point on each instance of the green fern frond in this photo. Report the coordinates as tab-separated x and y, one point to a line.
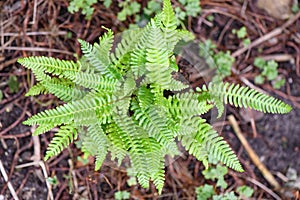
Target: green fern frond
151	165
140	147
157	65
81	110
128	41
128	128
62	138
99	55
241	96
40	75
186	125
169	23
216	146
138	62
195	148
43	129
176	86
154	163
100	139
185	35
50	65
64	92
117	142
89	147
145	97
155	125
129	84
206	141
144	37
36	90
94	81
136	146
187	104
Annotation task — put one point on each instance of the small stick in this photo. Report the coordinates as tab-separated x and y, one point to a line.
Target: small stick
265	172
42	165
50	194
252	121
267	36
37	49
34	12
278	57
34	33
36	147
10	187
257	183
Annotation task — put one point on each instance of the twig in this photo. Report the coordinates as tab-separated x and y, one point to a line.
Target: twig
34	12
50	194
42	165
73	175
248	83
268	36
35	33
278	57
257	183
265	172
38	49
4	145
12	99
10	187
19	135
7	63
252	121
228	24
36	147
27	164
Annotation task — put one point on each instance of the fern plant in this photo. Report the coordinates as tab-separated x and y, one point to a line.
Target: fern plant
121	102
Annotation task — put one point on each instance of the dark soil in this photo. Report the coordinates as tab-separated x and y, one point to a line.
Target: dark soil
277	142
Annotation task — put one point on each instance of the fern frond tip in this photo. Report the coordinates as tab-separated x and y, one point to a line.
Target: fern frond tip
288	108
20	60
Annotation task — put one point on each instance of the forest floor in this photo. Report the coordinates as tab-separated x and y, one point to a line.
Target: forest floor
46	28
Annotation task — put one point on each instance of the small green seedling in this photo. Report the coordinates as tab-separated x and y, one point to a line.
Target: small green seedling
295	7
269	72
209	192
129	8
217	173
122	195
245	191
210	18
204	192
53	180
242	34
85	6
13	84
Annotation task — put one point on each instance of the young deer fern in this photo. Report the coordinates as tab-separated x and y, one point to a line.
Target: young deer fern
119	97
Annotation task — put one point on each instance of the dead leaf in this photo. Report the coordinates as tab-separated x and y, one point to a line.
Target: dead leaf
279	9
